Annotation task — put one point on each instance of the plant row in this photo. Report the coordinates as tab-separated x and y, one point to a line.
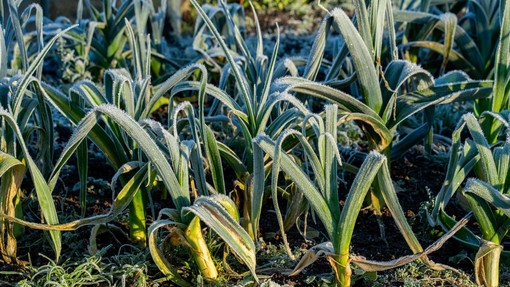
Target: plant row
274	122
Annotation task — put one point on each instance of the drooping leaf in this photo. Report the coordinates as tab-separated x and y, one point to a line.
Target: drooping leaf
211	210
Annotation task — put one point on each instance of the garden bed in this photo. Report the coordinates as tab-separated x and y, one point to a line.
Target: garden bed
375	152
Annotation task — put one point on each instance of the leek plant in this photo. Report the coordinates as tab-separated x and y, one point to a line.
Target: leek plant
101	38
499	101
481	48
226	19
103	35
165	158
380	101
437	40
385	98
475	156
173	13
147	18
121	106
245	90
483	20
16	37
136	96
469	42
24	115
485	154
150	20
463	161
487	194
217	211
321	191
